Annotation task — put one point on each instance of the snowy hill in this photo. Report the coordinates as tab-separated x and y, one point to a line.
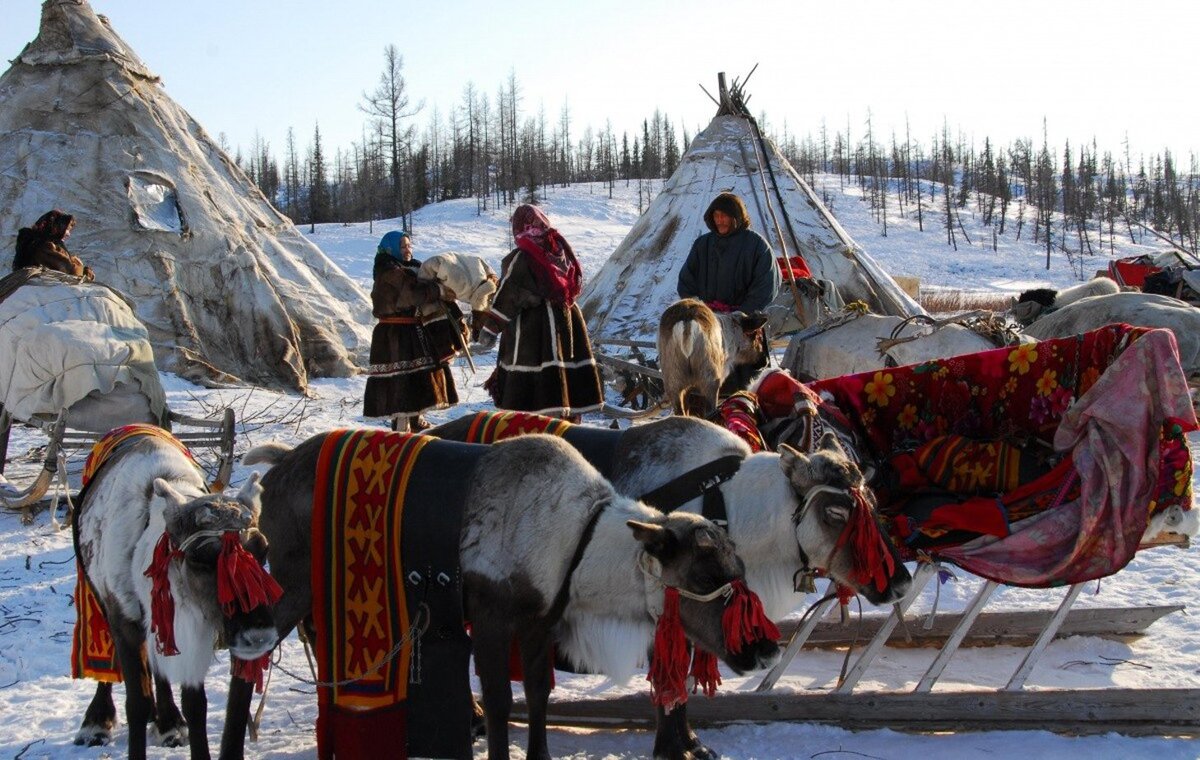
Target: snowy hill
40	707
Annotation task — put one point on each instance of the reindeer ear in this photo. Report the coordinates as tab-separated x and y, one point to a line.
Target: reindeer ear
655	538
165	490
795	466
251	496
753	321
830	442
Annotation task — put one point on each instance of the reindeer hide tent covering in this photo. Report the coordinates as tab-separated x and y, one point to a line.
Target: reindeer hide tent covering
638	282
225	284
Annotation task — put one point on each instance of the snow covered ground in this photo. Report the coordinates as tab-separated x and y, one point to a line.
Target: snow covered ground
40	706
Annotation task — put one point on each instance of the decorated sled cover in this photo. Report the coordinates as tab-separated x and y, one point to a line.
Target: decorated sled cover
1039	465
63	341
392	652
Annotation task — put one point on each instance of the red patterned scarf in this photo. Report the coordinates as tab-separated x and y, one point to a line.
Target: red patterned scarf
550	256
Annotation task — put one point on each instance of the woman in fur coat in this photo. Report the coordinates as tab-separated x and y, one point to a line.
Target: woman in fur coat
410	355
545	361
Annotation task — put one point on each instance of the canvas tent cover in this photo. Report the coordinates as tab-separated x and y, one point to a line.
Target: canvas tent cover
225	284
63	340
638	282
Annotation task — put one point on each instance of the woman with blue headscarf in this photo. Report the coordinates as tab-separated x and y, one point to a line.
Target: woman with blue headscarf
410	360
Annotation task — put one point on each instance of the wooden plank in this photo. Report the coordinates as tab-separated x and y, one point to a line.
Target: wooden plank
994	628
1135	712
624	342
627	366
1034	653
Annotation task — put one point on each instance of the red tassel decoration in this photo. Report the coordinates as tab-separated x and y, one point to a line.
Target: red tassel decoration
251	671
744	620
669	661
873	563
241	581
162	604
704	672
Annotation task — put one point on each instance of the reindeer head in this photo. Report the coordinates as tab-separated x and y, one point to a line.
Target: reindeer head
199	527
836	527
690	554
743	339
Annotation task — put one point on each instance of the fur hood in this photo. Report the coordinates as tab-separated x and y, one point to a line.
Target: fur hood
732	205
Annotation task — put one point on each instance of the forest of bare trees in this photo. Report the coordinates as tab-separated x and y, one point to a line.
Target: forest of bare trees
495	149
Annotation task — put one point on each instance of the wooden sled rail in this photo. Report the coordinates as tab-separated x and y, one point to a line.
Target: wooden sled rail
1133	712
990	628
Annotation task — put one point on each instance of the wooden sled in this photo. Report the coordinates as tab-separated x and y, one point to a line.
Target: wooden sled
216	436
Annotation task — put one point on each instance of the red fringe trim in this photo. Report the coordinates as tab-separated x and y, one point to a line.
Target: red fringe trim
669	661
162	604
241	581
744	619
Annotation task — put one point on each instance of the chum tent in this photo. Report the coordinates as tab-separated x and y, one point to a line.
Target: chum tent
226	285
625	299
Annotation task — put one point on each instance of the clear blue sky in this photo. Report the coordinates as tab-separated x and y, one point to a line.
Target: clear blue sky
1092	69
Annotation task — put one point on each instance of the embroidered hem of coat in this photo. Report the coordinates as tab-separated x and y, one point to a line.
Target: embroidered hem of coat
401	368
547	365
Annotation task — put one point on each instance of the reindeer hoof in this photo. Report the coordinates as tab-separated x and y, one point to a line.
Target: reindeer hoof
176	736
93	736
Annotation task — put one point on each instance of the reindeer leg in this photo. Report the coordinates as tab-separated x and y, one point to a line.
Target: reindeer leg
491	660
237	717
535	661
99	720
127	641
195	711
691	743
172	730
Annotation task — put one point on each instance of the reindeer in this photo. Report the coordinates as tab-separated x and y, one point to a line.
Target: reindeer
786	511
1033	304
531	479
148	512
699	349
559	563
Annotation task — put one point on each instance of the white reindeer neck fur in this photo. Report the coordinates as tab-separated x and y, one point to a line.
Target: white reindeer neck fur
765	534
607	626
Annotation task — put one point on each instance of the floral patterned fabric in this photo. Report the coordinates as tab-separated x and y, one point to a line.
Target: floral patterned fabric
1113	404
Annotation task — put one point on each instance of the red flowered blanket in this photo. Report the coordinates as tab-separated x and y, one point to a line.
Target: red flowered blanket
1112	405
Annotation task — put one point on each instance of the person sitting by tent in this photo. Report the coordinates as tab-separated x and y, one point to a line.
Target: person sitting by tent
43	245
550	368
410	360
731	268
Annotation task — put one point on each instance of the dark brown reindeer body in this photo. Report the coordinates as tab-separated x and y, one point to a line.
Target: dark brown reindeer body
149	494
698	349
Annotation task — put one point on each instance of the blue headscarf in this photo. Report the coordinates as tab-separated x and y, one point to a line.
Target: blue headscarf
389	252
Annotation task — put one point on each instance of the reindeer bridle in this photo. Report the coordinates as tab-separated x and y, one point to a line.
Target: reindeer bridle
860	521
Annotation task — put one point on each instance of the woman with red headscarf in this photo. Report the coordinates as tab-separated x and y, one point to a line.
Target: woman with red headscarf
545	361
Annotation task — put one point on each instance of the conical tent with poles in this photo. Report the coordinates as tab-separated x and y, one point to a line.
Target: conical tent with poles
625	299
226	285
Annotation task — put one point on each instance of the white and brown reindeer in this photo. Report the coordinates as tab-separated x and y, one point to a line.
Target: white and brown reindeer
176	566
698	349
787	512
548	550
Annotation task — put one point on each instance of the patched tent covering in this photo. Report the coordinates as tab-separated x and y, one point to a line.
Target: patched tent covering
225	284
627	296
